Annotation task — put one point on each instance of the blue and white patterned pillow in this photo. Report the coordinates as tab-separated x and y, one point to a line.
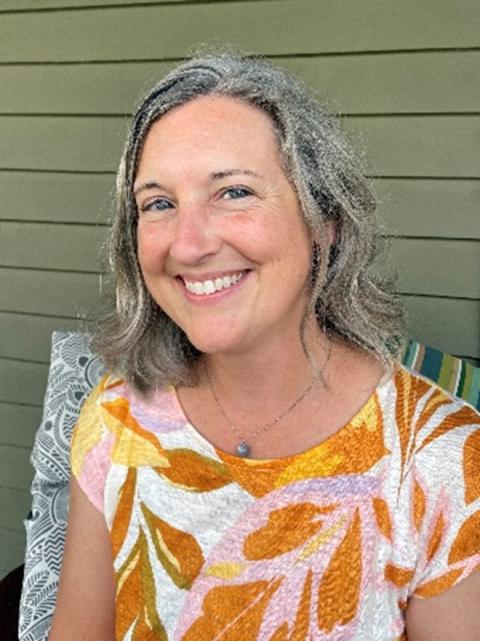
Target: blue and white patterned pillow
74	371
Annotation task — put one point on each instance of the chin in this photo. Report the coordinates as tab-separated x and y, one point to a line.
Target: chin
213	343
213	337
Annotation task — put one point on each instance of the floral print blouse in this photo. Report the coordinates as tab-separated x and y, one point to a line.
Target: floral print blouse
328	544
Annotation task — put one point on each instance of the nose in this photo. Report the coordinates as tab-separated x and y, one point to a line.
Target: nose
194	236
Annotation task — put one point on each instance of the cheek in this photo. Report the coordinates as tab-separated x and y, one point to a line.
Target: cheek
150	250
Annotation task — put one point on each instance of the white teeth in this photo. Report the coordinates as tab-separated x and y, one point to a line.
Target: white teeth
208	287
203	288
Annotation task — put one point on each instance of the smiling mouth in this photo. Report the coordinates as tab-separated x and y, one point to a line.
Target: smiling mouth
211	286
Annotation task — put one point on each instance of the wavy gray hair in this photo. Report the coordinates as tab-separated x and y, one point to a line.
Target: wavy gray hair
350	299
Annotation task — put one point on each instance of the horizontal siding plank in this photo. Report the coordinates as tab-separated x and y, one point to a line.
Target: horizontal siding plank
27	337
72	144
424	265
12	550
438	267
52	246
72	198
420	146
15	506
304	26
22	382
420	82
447	324
18	424
16	471
23	5
396	146
435	208
410	207
397	83
71	295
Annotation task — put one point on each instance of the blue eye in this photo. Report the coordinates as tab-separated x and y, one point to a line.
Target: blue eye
158	204
236	192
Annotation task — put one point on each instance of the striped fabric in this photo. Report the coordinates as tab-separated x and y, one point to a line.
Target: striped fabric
454	375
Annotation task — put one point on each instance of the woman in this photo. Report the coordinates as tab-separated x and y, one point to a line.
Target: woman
258	466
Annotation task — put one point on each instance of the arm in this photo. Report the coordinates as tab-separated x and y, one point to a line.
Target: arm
452	615
85	608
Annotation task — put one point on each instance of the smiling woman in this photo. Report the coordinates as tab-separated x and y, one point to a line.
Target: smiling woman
258	465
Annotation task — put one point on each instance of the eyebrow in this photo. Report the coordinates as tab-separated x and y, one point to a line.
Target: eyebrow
151	184
226	173
216	175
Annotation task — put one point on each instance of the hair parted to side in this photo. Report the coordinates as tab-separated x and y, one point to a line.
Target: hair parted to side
139	341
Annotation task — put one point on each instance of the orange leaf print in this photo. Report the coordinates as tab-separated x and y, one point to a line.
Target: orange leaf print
436	537
281	634
302	620
471	467
398	576
129	592
419	505
194	472
467	541
340	585
436	586
109	382
243	473
464	416
287	528
409	391
382	515
135	446
123	511
353	450
436	400
178	551
233	613
135	600
120	409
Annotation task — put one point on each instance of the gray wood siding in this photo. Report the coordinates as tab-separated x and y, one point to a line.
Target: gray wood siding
404	76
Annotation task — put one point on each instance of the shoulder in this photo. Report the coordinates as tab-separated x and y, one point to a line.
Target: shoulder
117	426
114	398
433	437
125	427
435	445
425	412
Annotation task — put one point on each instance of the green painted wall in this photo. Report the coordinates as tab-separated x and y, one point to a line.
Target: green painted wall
403	74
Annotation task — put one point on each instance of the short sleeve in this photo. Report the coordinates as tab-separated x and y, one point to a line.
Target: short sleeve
448	477
90	454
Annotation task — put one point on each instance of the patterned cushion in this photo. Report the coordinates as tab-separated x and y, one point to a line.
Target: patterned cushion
452	374
74	371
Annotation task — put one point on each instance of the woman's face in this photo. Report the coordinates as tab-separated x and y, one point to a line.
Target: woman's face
222	243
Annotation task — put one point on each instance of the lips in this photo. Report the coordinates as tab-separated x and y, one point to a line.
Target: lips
213	285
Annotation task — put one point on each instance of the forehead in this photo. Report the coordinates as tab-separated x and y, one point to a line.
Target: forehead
215	124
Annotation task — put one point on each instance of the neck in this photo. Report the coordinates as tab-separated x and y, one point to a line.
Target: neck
252	383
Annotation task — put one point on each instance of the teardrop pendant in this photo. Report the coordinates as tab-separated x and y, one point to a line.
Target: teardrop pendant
243	449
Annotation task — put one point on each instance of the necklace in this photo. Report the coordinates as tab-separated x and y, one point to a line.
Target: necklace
244	448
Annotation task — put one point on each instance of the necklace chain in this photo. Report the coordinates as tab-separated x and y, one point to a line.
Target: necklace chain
244	448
